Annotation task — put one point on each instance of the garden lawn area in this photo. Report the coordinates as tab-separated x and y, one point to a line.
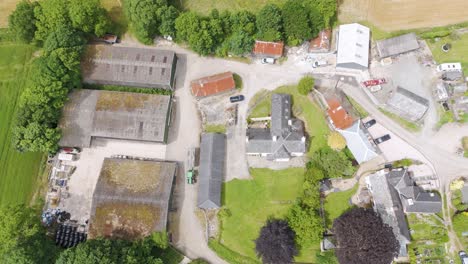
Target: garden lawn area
19	171
205	6
251	202
460	225
211	128
458	52
303	108
337	203
428	236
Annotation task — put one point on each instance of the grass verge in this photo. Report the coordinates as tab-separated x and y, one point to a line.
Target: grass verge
337	203
458	52
229	255
358	108
238	81
19	171
272	191
211	128
411	126
119	88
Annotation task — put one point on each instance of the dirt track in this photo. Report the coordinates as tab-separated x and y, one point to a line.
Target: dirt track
392	15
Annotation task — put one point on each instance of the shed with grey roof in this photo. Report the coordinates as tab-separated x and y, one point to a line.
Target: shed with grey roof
117	115
129	66
211	170
408	104
397	45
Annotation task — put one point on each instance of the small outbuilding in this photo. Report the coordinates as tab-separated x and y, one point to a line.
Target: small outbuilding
452	76
441	92
211	170
215	84
268	49
353	47
397	45
408	104
321	43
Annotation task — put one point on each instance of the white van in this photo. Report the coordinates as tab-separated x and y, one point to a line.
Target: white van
268	61
444	67
65	156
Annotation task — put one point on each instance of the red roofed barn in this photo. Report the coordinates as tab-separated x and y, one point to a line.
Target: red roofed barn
338	115
268	49
214	84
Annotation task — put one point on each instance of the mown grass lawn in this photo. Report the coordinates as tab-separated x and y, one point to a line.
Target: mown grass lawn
251	202
18	171
458	52
205	6
337	203
303	108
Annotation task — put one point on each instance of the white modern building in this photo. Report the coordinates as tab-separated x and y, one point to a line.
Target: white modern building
353	47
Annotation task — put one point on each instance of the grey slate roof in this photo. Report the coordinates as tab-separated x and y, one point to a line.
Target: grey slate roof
110	114
397	45
211	170
408	104
129	66
280	113
464	192
387	204
289	133
358	143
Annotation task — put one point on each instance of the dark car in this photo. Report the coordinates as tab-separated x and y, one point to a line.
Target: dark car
382	139
370	123
236	98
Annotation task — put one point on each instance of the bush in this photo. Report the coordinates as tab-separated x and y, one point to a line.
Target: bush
306	84
118	88
435	34
160	239
403	163
238	81
333	163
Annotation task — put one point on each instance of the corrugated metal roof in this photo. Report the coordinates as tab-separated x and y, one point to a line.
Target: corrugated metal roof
397	45
353	45
211	170
272	49
128	66
214	84
408	104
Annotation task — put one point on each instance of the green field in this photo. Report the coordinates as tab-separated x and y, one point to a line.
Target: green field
251	202
337	203
315	122
18	171
458	52
205	6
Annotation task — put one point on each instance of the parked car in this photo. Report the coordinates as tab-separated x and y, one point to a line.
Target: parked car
370	123
237	98
70	150
382	139
268	61
463	257
319	63
374	82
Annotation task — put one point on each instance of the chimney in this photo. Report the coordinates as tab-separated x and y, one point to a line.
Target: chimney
275	138
247	139
290	122
303	139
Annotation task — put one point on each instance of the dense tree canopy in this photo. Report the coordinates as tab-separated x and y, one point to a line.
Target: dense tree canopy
22	22
269	23
296	22
110	251
143	17
89	17
275	244
22	239
333	163
167	16
306	223
362	237
50	15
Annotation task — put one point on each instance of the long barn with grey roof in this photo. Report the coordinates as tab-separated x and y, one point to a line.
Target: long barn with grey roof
408	104
128	66
211	170
118	115
397	45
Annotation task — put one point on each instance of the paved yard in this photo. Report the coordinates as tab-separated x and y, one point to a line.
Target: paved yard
88	166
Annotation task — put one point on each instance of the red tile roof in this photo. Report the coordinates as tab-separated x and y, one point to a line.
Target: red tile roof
214	84
340	118
322	42
274	49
